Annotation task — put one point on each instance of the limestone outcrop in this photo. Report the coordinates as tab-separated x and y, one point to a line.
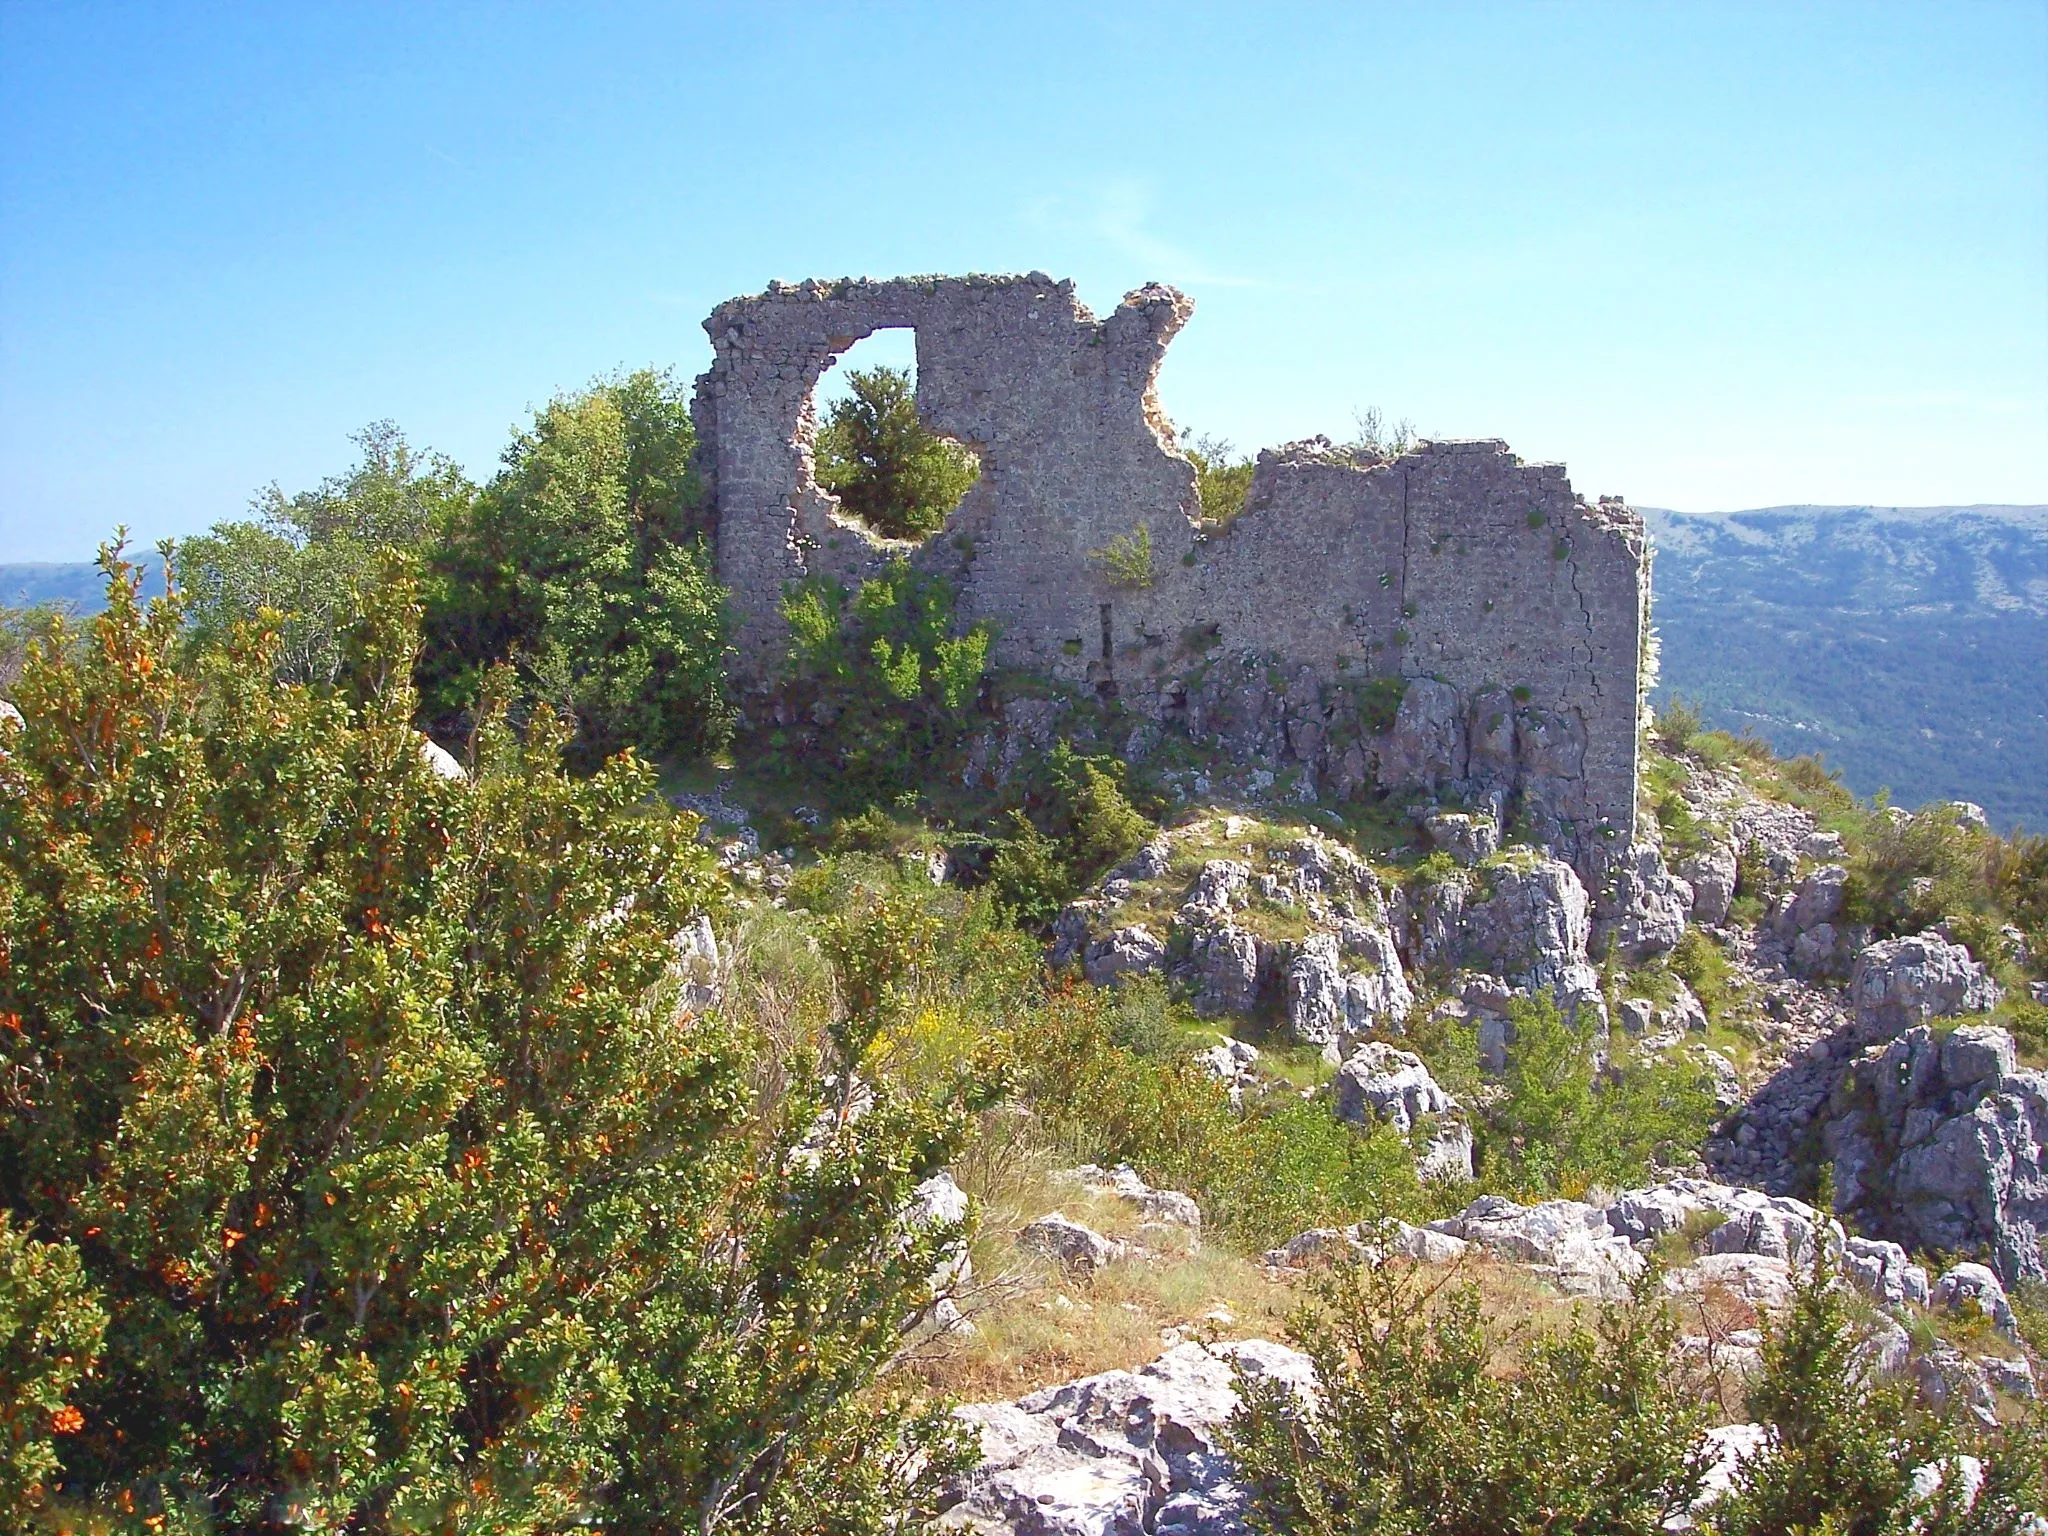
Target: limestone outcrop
1379	1084
1938	1143
1125	1453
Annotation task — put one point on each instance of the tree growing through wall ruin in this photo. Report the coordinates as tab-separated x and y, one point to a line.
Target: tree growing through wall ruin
885	466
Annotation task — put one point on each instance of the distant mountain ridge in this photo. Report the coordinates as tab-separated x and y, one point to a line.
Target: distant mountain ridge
1907	644
77	582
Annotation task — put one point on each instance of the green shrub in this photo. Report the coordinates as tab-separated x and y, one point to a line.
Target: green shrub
1430	1420
1557	1125
1678	722
1222	478
1379	703
362	1104
310	558
1260	1176
1909	875
1126	560
884	666
583	565
1698	961
1080	823
1845	1440
884	465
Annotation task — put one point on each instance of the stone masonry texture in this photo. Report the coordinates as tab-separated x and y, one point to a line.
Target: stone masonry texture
1454	562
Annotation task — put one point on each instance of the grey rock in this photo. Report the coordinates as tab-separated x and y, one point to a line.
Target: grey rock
1466	838
1379	1083
1165	1206
1939	1161
1228	964
1884	1272
1068	1243
939	1201
1568	1241
1751	1221
1636	1013
2010	1374
1349	981
1131	951
1531	927
1756	1278
1974	1288
439	760
1643	906
1711	875
1898	983
1125	1453
1426	746
1234	1063
696	958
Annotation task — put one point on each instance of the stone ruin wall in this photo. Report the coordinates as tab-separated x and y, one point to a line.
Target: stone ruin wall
1516	610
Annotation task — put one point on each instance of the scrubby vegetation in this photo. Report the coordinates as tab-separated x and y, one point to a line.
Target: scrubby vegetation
364	1167
373	1161
885	466
1433	1417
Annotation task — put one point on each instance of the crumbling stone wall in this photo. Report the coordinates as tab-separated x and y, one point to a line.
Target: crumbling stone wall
1515	610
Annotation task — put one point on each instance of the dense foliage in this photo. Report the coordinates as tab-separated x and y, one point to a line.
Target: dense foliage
583	563
1433	1419
885	466
362	1166
885	670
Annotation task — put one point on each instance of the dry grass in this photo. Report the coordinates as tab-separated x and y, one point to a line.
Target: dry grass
1037	1325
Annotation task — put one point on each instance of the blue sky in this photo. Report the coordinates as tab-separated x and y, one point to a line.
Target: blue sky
1711	256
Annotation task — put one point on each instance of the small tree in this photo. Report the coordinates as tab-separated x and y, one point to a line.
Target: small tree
1844	1441
885	466
308	558
1222	477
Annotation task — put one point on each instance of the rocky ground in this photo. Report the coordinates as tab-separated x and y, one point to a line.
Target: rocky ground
1824	1046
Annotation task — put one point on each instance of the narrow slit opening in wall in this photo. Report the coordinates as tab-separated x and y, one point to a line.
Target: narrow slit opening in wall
891	472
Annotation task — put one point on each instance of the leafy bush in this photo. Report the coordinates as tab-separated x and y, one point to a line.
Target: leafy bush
884	465
1909	874
1260	1176
360	1103
1678	722
1430	1420
583	565
886	670
1126	560
1222	478
1844	1441
310	558
1698	961
1558	1125
1088	826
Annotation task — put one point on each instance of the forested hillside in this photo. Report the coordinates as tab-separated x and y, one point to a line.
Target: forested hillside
1908	645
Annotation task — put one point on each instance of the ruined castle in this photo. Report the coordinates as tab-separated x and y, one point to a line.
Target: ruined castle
1515	612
